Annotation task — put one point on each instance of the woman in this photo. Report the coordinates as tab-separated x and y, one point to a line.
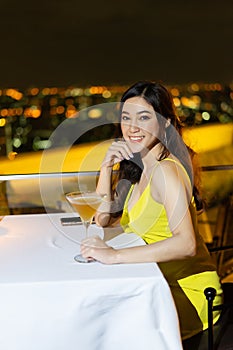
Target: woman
159	206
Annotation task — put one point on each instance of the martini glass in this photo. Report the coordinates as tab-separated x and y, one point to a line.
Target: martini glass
86	204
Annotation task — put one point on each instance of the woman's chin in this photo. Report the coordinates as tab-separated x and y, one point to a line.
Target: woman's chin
136	147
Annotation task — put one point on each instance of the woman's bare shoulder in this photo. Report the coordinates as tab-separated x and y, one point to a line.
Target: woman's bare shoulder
169	177
168	167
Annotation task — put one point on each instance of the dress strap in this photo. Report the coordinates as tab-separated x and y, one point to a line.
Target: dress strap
174	161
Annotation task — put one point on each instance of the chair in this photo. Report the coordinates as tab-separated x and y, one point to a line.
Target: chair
219	336
222	248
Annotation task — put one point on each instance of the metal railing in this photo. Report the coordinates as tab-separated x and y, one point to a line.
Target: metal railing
217	167
32	193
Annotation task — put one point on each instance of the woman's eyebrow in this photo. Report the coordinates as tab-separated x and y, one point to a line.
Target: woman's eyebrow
140	112
144	111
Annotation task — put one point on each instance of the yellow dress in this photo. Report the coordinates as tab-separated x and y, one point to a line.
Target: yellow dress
187	278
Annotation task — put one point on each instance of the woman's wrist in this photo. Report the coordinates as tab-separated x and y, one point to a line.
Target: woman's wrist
106	169
116	256
104	183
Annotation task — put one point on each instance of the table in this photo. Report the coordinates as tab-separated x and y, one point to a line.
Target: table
50	302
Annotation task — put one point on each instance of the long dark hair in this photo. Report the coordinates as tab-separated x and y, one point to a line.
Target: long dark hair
170	134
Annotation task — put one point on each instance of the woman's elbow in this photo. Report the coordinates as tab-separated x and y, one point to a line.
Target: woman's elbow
102	219
191	248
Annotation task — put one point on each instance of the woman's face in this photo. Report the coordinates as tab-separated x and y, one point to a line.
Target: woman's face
139	124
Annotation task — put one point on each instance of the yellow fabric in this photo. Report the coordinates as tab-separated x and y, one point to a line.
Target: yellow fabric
154	225
196	295
148	219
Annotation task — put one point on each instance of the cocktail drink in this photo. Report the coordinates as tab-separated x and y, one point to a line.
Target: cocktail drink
86	204
86	207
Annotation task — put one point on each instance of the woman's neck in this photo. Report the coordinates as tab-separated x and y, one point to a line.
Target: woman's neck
152	156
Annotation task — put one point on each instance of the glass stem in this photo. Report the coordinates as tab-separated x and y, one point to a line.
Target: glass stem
86	225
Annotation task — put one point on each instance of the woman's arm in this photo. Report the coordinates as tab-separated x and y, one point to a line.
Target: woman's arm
103	216
181	245
115	154
170	187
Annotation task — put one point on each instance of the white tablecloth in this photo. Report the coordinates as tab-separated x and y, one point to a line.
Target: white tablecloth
50	302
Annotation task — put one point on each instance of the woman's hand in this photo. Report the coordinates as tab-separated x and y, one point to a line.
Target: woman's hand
94	248
118	151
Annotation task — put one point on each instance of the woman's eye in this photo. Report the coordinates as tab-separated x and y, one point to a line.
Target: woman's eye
144	117
124	117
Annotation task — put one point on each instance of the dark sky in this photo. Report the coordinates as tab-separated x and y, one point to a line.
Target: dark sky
63	42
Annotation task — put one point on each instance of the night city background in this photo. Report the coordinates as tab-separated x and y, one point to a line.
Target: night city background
58	57
28	117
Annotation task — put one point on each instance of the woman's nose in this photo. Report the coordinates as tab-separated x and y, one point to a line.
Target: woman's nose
133	127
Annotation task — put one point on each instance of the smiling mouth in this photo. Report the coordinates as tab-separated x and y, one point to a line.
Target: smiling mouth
136	138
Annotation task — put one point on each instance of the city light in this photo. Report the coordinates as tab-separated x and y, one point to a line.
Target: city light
28	118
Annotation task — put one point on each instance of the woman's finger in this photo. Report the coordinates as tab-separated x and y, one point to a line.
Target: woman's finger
123	147
117	152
